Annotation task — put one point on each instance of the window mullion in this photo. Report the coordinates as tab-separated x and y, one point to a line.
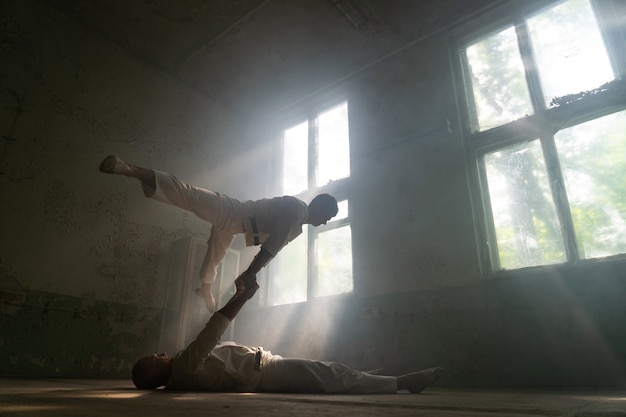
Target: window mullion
313	152
491	249
469	92
312	235
561	201
334	225
530	66
279	169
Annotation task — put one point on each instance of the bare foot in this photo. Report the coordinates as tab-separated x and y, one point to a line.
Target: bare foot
416	382
114	165
204	292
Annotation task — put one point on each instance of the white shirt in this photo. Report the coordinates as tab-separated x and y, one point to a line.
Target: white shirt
278	221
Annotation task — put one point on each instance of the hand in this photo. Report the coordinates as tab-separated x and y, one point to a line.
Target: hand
251	289
246	281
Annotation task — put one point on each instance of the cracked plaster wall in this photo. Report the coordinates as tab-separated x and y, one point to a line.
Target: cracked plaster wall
89	252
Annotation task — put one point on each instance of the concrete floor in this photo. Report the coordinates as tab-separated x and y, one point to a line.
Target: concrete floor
93	398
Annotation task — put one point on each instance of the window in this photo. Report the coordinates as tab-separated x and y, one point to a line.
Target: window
546	127
315	160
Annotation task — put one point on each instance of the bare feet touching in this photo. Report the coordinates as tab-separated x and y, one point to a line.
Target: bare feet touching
416	382
112	164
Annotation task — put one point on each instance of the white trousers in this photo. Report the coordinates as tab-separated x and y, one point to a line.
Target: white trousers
224	213
303	375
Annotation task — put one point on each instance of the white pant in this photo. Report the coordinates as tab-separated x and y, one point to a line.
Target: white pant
303	375
225	214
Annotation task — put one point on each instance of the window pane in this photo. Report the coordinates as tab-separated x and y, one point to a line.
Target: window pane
335	261
498	80
526	225
569	50
333	145
289	272
593	159
342	213
295	157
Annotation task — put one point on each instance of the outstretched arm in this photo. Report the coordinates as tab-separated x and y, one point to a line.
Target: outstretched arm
260	260
210	336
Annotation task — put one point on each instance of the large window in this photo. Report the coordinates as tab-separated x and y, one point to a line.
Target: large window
546	127
316	159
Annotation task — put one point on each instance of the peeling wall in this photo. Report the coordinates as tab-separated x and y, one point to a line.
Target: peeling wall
407	165
89	251
84	257
56	335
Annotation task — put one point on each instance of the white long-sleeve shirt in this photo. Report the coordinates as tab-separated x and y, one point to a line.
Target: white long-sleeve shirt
270	222
274	222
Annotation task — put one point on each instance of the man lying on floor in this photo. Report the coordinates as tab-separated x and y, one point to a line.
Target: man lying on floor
206	365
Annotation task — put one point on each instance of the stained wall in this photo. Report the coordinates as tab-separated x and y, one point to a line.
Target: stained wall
84	257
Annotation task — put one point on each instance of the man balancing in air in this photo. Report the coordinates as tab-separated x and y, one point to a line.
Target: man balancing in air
271	223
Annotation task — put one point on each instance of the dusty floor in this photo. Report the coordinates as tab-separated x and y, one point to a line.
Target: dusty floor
87	398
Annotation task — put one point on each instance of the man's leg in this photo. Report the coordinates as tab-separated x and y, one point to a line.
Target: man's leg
416	382
205	204
302	375
208	205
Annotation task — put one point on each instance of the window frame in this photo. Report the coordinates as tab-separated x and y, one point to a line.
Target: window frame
542	125
337	188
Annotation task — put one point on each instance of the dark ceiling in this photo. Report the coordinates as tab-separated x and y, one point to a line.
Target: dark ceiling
257	56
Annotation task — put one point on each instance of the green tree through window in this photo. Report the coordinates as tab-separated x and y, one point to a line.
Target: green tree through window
546	121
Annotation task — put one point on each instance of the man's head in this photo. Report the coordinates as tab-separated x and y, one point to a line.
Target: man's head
321	209
153	371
